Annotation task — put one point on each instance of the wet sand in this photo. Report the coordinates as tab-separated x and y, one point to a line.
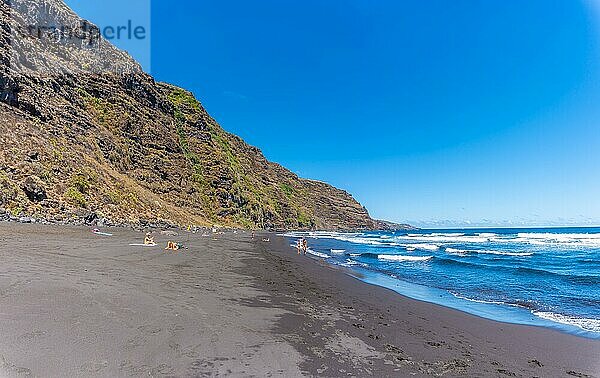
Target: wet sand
76	304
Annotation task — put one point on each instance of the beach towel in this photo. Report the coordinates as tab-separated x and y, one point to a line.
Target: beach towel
101	233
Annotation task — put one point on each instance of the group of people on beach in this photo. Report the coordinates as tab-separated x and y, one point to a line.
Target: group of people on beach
302	246
171	245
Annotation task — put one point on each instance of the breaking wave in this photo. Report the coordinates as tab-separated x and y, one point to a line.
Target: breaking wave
404	258
586	324
466	251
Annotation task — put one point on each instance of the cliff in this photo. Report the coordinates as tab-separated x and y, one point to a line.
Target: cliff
86	134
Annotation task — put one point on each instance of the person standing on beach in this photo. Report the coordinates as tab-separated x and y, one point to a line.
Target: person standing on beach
299	246
304	245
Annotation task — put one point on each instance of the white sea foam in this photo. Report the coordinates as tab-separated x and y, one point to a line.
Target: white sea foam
425	247
562	237
517	254
505	253
444	238
483	301
455	251
363	240
337	251
318	254
591	325
350	262
563	240
404	258
531	238
388	240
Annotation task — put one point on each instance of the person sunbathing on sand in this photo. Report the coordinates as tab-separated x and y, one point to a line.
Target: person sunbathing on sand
172	246
149	239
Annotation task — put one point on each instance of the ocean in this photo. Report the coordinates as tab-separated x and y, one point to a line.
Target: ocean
543	277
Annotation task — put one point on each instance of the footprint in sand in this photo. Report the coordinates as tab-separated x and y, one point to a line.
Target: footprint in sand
506	372
149	329
94	367
578	375
201	365
536	363
20	371
31	335
162	369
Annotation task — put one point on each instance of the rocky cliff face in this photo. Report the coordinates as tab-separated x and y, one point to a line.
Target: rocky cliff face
85	133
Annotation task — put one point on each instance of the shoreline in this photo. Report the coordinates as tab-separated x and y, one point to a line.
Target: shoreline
494	311
446	341
73	303
502	255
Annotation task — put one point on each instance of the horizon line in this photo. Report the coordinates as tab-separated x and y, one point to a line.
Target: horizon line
502	227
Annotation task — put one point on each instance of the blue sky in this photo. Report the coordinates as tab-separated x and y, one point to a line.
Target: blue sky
438	113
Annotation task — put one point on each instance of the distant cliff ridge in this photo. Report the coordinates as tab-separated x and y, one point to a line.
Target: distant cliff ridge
391	226
87	135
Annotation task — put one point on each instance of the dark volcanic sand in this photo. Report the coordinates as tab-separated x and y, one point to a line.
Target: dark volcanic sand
76	304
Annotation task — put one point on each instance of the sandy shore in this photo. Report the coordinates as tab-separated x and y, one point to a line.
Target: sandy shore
77	304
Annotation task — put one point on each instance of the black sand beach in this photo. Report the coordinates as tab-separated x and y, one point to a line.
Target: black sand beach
76	304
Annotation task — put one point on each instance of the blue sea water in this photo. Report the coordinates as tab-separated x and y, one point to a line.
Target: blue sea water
545	277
